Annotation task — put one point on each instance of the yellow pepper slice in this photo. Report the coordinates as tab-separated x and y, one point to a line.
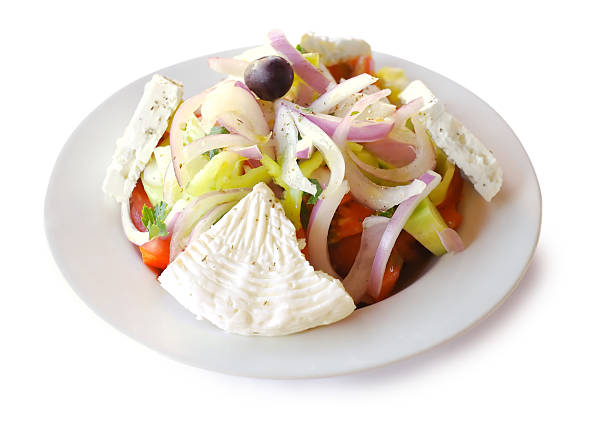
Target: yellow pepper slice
217	171
447	170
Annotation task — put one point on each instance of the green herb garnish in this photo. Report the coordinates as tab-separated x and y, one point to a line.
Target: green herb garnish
218	130
153	219
211	153
313	198
215	130
300	49
388	213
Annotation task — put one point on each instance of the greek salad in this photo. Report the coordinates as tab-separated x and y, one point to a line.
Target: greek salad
303	184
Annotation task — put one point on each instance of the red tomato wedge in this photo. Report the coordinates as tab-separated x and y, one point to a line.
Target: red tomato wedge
345	240
138	199
392	273
448	208
155	253
344	252
352	67
348	219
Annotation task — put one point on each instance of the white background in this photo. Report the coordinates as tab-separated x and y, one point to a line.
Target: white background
541	362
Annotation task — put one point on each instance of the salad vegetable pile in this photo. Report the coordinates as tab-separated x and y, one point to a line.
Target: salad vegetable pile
299	186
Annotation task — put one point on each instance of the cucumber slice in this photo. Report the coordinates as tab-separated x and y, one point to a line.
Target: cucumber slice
424	225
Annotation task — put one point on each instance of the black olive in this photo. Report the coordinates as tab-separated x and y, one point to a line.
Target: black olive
269	77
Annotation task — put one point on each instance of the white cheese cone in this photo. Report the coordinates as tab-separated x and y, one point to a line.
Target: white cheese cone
247	275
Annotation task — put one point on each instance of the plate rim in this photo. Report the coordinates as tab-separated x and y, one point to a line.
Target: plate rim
330	372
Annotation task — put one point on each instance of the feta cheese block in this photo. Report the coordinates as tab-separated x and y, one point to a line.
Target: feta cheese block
461	146
247	275
333	51
134	148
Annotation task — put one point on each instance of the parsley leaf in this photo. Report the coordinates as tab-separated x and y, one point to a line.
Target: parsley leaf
211	153
153	219
313	198
300	49
218	130
215	130
388	213
354	112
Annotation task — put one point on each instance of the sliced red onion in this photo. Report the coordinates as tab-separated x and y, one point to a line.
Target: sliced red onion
318	228
359	131
227	66
177	132
363	189
356	282
406	111
331	153
252	152
194	212
341	91
451	241
232	96
245	87
304	148
209	219
131	232
396	149
286	134
424	184
237	124
210	142
302	67
425	160
341	133
379	110
174	214
376	197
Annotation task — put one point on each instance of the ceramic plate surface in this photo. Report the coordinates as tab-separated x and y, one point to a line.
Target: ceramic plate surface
85	235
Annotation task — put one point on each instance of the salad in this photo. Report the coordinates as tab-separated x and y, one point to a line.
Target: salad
302	185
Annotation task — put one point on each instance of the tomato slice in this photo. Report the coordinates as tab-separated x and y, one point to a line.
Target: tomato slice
348	219
340	71
363	64
392	273
408	247
156	253
138	199
448	208
352	67
342	254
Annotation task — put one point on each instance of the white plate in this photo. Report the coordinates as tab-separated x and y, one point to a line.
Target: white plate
105	270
